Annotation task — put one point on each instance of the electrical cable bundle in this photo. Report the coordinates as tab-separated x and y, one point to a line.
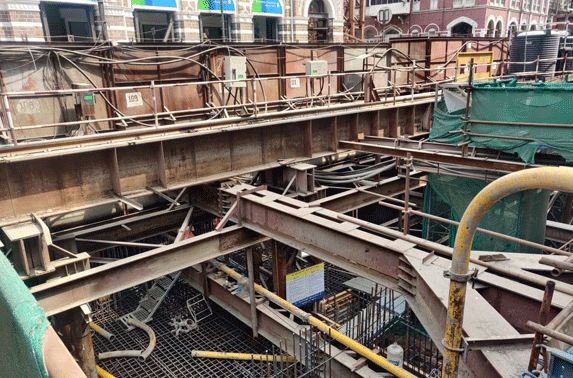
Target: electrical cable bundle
333	178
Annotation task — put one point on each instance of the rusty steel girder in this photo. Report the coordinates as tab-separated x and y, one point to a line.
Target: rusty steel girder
75	290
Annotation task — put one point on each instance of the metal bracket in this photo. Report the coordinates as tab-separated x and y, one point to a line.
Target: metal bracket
472	343
458	350
86	313
244	193
461	277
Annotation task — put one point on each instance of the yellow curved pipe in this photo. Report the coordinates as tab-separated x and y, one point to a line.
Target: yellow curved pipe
550	178
242	356
102	373
343	339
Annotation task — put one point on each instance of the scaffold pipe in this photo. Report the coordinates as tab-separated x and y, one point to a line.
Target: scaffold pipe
119	353
550	178
134	353
151	334
102	332
343	339
242	356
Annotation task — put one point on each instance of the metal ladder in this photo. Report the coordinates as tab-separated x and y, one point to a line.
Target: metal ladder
149	304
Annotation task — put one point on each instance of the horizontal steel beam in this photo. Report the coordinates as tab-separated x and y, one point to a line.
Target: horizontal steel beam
560	232
75	290
446	157
352	199
319	232
104	141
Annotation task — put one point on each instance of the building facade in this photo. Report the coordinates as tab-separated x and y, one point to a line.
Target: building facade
483	18
171	20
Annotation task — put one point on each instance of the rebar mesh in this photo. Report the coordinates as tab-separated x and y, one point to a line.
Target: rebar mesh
377	317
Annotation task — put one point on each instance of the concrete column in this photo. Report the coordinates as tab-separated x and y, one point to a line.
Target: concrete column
284	30
301	29
242	28
178	27
338	31
120	22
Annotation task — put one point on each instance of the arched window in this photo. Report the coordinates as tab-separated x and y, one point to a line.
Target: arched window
462	28
512	30
490	28
369	35
391	33
316	7
498	28
432	32
319	25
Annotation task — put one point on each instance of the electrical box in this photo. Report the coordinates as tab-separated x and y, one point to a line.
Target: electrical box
316	68
87	103
84	101
236	69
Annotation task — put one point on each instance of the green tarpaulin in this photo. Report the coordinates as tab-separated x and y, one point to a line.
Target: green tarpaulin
507	101
517	215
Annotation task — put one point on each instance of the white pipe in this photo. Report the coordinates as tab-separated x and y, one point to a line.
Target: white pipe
119	353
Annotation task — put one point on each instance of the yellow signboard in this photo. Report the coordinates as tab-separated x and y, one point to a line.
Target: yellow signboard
483	65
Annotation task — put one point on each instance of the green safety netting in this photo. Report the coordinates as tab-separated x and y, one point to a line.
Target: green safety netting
507	101
517	215
22	327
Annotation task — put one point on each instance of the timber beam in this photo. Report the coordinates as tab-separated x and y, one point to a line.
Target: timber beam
75	290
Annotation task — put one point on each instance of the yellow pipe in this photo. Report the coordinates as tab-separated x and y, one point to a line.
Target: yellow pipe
550	178
242	356
345	340
102	373
101	331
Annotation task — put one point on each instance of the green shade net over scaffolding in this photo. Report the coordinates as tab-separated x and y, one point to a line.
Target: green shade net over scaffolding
507	101
22	327
517	215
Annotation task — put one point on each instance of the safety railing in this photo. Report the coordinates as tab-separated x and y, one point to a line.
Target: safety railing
399	81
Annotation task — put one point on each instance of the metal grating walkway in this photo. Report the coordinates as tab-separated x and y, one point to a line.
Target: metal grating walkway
172	355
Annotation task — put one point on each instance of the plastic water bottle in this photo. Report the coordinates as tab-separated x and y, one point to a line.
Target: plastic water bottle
395	354
243	290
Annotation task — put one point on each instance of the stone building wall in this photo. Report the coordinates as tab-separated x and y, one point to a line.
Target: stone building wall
21	20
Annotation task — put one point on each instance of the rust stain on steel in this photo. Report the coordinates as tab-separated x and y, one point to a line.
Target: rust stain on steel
29	85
